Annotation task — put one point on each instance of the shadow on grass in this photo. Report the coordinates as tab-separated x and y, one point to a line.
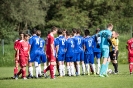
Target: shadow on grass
7	78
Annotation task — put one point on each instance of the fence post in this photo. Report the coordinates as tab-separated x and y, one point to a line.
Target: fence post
3	52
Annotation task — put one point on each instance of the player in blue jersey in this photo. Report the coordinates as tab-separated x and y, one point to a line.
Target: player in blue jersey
79	52
40	55
70	54
97	50
89	54
34	44
104	46
61	51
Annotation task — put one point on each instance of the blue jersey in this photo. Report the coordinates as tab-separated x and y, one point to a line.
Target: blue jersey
69	47
105	35
88	43
41	45
78	41
34	42
97	41
61	43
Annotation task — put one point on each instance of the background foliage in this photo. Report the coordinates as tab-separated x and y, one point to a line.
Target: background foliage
68	14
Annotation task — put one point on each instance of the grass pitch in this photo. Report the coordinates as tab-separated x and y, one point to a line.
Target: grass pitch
121	80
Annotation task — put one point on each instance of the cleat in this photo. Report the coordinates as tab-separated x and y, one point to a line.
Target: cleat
24	78
16	77
101	76
106	75
88	74
29	76
130	73
45	75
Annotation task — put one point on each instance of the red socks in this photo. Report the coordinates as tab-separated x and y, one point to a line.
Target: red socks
130	67
23	73
48	68
15	70
52	71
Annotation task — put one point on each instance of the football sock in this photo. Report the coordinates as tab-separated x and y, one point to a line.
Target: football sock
98	66
31	71
23	73
48	68
72	69
102	69
20	71
36	71
63	70
15	70
83	68
115	66
130	67
78	69
93	68
106	68
39	70
60	70
52	71
87	68
68	70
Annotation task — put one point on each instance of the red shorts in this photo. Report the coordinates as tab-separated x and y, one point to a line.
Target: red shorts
23	61
130	59
51	58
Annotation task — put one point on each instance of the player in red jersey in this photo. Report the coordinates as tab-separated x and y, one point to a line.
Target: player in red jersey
50	52
21	34
130	54
23	53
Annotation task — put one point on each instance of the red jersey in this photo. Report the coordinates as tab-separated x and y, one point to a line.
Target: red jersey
16	43
49	41
23	47
130	46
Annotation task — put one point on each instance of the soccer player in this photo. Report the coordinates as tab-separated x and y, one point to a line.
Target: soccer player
34	44
97	51
130	54
114	52
61	52
79	52
40	55
50	52
89	55
104	46
69	54
21	34
23	53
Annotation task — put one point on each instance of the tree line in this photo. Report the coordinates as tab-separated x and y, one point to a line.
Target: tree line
16	15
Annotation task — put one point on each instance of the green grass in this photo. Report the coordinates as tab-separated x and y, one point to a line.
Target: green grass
122	80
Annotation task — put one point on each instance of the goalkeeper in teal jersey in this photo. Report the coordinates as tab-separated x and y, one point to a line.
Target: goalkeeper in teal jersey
104	46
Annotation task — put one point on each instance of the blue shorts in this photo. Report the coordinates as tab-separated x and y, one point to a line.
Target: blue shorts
97	55
105	52
89	58
40	57
76	57
43	58
82	56
32	57
70	59
61	57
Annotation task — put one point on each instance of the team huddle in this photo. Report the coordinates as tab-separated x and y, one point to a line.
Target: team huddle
68	53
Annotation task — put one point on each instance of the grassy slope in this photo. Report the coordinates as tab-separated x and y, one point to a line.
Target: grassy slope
123	80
